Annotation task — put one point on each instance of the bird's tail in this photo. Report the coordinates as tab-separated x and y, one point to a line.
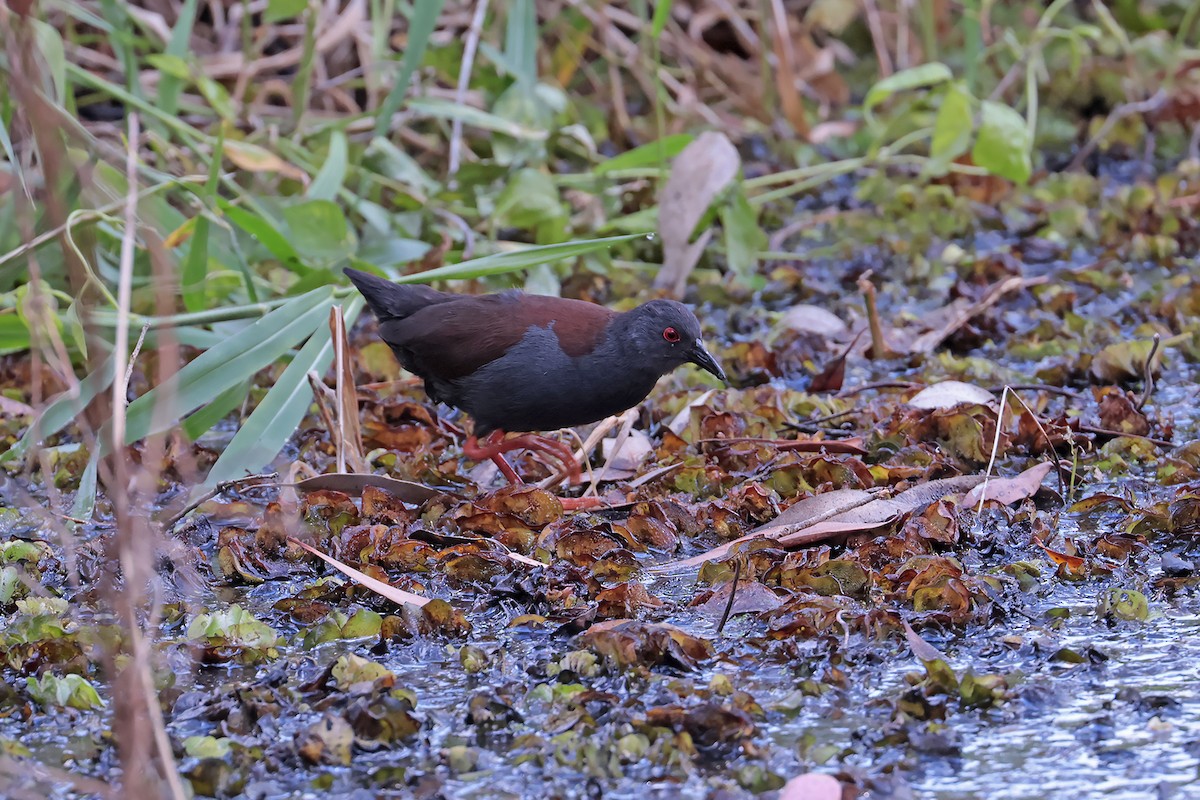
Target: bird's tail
392	300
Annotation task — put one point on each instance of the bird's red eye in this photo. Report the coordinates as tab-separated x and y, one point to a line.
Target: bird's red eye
671	335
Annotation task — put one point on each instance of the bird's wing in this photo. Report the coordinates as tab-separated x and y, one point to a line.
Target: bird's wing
452	339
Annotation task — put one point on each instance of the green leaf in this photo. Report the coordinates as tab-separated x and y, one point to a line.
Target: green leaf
1003	145
199	423
64	408
448	109
514	261
50	45
195	265
319	230
72	691
651	154
529	199
279	10
276	418
420	28
662	13
333	172
85	497
743	236
14	334
918	77
263	230
206	747
174	67
521	42
229	363
952	129
170	83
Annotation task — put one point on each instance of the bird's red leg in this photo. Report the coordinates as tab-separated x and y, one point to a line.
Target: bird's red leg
495	446
562	453
492	449
554	449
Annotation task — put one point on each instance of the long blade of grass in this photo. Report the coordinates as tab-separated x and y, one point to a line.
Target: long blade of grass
446	109
420	28
276	418
500	263
170	85
195	265
227	364
59	413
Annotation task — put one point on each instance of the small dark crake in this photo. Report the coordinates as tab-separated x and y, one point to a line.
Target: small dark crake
518	362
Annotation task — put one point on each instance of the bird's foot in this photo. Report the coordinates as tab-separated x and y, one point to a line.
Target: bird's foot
495	446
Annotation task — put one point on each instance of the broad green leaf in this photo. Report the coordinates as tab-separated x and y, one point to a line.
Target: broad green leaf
918	77
652	154
333	172
743	236
514	261
662	13
71	691
392	251
14	334
420	28
264	231
1003	146
529	199
952	129
229	363
389	160
61	410
276	418
319	230
206	747
279	10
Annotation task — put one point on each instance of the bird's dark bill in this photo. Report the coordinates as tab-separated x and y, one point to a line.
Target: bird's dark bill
703	359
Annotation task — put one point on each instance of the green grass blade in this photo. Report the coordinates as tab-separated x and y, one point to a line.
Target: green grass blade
500	263
420	28
333	172
438	108
521	42
61	411
662	13
202	421
276	418
195	265
229	363
85	498
170	85
651	154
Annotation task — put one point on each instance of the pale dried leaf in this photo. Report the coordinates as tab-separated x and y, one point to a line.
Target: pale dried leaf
949	394
1010	490
698	174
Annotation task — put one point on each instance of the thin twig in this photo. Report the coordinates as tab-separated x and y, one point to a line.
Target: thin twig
1152	103
995	447
1049	444
464	81
737	574
1149	373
